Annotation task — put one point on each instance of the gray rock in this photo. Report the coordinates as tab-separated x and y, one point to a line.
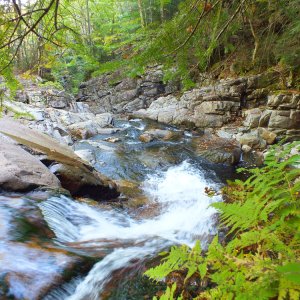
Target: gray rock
20	171
87	154
284	101
252	117
109	93
281	120
252	140
246	148
164	134
86	129
267	135
74	174
264	119
85	183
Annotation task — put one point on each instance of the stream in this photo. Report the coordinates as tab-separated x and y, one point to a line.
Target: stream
54	247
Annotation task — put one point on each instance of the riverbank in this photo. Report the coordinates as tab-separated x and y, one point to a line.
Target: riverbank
150	179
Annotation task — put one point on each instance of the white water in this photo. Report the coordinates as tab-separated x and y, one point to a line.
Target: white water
184	216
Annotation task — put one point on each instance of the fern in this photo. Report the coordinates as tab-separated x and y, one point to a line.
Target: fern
262	258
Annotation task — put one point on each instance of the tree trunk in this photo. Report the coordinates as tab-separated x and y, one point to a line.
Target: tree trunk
256	41
88	19
141	13
162	13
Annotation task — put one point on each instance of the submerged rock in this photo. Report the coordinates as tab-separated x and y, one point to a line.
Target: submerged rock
217	150
146	138
31	264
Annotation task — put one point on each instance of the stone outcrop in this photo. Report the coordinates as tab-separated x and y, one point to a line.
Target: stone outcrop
211	106
281	116
63	125
44	97
110	93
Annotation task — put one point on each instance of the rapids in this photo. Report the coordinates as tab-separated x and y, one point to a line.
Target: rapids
119	238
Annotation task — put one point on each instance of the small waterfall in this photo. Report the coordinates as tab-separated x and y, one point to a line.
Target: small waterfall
184	216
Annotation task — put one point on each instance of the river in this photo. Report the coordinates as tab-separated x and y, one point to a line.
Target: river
163	203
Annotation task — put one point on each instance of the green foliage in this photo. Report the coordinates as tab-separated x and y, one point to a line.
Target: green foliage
260	258
73	69
169	294
100	36
51	84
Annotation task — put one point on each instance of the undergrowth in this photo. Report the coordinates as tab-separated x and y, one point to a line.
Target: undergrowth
260	258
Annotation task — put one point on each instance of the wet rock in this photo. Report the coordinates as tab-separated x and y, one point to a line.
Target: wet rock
20	171
84	183
217	150
146	138
112	139
252	117
109	130
29	272
165	135
87	155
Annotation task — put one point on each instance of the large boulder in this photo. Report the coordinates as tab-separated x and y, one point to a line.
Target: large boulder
284	119
75	174
20	171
